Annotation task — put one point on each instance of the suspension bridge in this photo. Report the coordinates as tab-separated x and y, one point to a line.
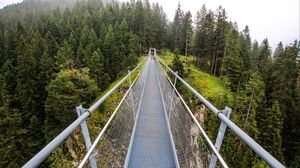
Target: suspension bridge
152	126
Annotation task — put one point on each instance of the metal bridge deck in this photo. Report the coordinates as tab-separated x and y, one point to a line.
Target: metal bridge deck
151	145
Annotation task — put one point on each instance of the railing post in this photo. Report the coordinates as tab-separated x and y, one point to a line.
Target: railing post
221	133
86	136
173	92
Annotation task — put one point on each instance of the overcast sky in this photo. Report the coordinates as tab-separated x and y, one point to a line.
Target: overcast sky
278	20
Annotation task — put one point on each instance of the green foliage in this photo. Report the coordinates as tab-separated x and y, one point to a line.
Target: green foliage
11	141
111	55
177	64
64	56
244	114
65	92
264	58
95	62
232	62
283	91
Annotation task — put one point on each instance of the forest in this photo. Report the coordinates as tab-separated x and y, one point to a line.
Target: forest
55	55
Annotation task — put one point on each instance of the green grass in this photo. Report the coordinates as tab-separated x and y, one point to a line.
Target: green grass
211	87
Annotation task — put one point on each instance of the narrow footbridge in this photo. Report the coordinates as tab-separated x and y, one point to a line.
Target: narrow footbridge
153	126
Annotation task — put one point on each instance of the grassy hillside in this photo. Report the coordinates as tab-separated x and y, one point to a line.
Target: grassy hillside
211	87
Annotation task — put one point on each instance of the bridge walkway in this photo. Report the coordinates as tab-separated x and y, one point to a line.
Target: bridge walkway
151	146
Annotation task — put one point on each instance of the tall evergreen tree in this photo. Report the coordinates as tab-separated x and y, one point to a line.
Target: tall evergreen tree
219	41
246	53
232	63
64	58
264	58
247	102
111	55
177	64
95	63
188	32
177	29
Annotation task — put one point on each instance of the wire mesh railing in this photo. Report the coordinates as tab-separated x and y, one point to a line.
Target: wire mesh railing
185	135
111	146
83	115
192	145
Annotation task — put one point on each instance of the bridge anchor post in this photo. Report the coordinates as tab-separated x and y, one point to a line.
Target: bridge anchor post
86	136
220	137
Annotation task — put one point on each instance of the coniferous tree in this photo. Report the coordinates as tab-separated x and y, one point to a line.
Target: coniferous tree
64	58
177	29
246	54
204	38
219	38
264	58
95	63
247	104
111	55
254	58
232	62
188	32
139	22
177	64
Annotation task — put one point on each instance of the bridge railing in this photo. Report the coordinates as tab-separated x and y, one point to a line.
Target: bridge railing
112	144
129	98
175	105
193	146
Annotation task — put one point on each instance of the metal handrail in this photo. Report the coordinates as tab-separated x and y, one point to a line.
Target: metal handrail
260	151
211	145
106	125
50	147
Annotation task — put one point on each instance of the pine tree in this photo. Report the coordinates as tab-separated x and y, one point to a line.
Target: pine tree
80	57
64	58
177	29
254	58
26	76
219	41
110	54
289	102
204	38
247	102
11	131
281	91
188	32
11	141
126	44
232	63
139	22
246	54
264	58
95	63
177	64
